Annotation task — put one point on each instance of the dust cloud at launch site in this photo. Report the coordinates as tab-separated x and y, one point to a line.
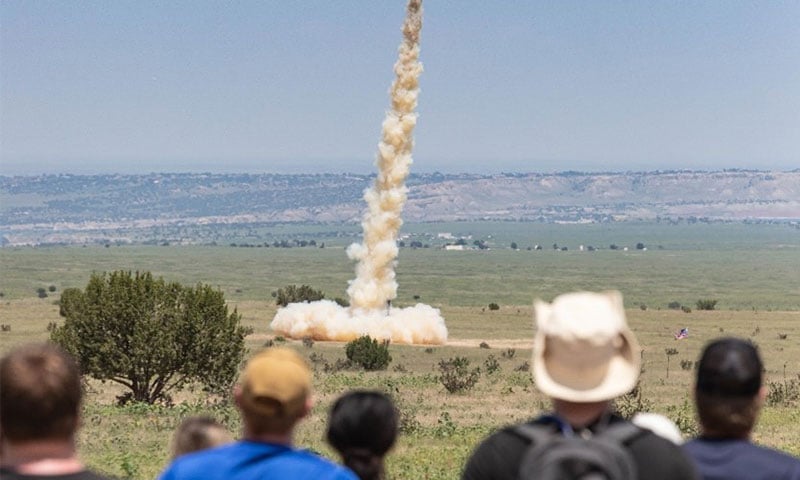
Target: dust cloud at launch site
373	289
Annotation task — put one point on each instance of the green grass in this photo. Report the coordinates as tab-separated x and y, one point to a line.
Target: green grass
751	271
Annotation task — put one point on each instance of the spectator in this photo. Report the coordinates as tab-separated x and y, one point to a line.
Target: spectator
728	396
273	395
363	427
584	357
199	433
40	403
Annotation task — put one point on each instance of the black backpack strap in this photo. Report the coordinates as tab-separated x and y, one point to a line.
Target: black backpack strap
621	432
535	433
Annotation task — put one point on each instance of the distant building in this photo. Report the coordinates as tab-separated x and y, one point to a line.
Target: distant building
454	247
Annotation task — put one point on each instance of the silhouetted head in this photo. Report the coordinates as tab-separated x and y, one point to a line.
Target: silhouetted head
728	388
40	394
362	427
199	433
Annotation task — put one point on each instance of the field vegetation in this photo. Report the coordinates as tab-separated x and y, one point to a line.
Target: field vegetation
750	271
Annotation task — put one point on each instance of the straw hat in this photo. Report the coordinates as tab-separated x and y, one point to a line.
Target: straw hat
583	350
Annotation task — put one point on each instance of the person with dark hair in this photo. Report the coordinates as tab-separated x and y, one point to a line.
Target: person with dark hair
728	394
362	427
584	356
273	395
199	433
40	403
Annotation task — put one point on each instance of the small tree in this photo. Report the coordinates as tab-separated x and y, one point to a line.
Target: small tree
294	294
456	375
151	336
41	292
494	306
513	245
670	352
368	353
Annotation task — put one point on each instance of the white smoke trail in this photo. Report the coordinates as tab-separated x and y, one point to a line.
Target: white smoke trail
375	286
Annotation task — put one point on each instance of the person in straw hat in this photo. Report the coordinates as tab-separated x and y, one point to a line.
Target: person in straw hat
584	357
273	395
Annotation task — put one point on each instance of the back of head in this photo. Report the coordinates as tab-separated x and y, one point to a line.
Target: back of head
274	389
40	394
729	378
198	433
583	350
362	427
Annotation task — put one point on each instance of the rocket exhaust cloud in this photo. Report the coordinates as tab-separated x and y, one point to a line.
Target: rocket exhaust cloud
375	285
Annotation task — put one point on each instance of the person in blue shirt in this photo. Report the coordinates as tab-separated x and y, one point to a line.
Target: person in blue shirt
728	396
273	395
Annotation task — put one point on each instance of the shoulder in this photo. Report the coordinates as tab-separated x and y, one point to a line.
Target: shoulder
496	457
734	454
660	458
304	463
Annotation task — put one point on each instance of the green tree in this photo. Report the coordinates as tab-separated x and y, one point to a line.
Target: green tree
294	294
706	304
151	336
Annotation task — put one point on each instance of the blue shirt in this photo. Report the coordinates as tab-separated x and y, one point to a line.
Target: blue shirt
731	459
254	460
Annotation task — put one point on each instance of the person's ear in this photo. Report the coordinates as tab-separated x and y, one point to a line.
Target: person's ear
307	406
761	396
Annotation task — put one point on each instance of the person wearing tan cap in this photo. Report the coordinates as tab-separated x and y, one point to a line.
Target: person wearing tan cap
273	394
584	357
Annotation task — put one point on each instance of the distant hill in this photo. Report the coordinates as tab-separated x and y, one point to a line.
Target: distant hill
79	208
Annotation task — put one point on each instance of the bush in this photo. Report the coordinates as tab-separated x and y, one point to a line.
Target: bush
368	353
484	345
294	294
491	364
308	342
41	292
51	288
150	336
509	353
456	376
494	306
686	309
632	403
674	305
706	304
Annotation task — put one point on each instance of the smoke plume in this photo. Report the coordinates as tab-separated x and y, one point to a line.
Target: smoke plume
374	287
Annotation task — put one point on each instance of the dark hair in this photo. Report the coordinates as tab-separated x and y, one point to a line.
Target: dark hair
199	433
729	377
40	394
362	427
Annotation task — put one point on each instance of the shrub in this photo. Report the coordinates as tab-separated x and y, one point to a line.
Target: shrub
494	306
632	403
687	364
706	304
368	353
51	288
674	305
484	345
523	367
456	376
342	302
308	342
41	292
509	353
491	364
686	309
643	306
294	294
151	336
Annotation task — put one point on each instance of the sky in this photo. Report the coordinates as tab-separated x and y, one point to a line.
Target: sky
302	86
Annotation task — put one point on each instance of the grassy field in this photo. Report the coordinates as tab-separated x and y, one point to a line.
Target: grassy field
755	278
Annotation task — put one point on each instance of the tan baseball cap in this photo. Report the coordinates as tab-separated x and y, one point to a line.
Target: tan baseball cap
276	382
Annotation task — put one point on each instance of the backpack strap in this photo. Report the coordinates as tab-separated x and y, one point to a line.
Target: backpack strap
620	432
535	433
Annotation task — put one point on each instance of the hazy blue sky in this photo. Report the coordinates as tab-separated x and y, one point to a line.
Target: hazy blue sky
302	85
